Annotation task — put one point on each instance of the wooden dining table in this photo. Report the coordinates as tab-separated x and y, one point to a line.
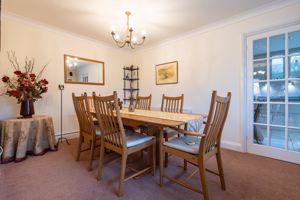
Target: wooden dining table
160	120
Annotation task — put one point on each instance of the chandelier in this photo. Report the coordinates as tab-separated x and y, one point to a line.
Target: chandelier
131	41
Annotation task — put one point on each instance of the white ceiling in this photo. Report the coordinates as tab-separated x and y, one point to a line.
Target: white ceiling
160	19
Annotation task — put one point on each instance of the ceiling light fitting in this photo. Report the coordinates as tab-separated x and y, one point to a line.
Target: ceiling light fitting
131	41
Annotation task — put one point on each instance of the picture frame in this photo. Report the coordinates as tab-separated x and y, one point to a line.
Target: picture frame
166	73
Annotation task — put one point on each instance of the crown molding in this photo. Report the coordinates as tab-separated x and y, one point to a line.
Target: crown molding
267	8
25	20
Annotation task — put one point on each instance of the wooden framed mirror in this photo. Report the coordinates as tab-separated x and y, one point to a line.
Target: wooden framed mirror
83	71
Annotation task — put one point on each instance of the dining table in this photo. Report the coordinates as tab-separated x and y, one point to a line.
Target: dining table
160	120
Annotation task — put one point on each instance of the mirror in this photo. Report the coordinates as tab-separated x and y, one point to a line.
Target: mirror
83	71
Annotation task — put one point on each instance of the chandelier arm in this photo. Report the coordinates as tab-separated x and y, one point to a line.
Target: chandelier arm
141	42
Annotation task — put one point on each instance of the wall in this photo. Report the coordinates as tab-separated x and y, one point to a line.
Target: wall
48	46
209	60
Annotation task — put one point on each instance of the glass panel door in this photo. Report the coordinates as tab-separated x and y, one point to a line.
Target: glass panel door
273	94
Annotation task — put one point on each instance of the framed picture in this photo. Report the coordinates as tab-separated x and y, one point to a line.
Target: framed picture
166	73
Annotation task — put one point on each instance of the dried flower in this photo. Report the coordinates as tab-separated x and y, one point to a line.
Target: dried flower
25	85
5	79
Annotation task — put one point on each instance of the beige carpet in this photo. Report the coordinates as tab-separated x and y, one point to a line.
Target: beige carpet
56	175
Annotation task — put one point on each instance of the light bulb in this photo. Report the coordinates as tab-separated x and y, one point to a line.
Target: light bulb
134	39
117	36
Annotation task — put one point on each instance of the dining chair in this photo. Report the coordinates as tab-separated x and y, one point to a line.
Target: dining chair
91	105
198	147
143	102
115	138
88	131
172	104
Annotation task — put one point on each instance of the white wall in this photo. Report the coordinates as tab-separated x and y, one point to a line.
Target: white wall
48	46
209	60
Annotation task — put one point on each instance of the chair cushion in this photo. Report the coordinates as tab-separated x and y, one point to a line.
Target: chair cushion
98	132
189	144
134	138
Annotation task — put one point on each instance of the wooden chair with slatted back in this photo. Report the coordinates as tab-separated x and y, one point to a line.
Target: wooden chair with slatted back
198	147
91	105
143	102
115	139
88	131
171	104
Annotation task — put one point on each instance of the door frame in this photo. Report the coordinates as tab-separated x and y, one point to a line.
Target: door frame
245	91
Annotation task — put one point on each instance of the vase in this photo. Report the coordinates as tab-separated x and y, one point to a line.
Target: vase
27	109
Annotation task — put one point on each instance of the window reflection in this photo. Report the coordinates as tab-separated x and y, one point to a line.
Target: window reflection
277	137
277	91
294	66
260	91
294	139
277	44
294	42
294	91
294	115
260	48
260	134
277	68
259	70
277	114
260	113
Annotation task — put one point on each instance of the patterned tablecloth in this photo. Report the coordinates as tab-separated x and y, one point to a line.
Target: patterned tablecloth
26	136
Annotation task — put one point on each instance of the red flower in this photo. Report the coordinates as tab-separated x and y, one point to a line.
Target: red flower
25	83
17	72
32	76
13	93
43	82
5	79
44	89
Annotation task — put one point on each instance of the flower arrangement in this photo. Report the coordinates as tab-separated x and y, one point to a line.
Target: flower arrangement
25	84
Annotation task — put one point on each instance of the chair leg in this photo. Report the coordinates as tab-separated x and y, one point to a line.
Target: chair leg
161	167
153	158
79	147
166	154
101	162
184	165
203	180
221	172
122	174
91	155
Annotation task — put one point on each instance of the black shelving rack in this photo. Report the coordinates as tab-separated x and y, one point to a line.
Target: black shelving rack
131	77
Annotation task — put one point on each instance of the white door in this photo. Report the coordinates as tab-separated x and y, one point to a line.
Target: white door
273	94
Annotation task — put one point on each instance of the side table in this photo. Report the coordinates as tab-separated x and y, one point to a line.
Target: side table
27	136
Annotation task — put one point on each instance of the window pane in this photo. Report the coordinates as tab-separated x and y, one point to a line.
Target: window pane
277	91
277	68
260	48
260	91
260	113
294	139
277	137
260	70
277	44
294	66
294	91
277	114
294	42
260	134
294	115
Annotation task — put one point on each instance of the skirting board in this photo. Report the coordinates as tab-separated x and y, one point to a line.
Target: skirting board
231	145
69	135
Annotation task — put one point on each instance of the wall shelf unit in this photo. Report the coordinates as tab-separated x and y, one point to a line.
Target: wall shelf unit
131	83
